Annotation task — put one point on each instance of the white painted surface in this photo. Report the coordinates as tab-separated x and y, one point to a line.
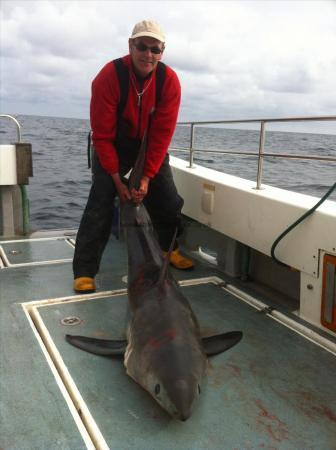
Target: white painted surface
8	165
257	217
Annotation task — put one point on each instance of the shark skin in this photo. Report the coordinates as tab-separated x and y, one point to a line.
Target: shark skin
164	352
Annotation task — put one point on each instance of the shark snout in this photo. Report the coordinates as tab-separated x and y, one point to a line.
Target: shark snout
184	396
184	415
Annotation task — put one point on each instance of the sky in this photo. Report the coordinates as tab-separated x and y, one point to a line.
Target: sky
235	59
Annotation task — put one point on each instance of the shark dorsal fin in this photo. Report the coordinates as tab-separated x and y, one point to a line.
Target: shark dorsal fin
164	269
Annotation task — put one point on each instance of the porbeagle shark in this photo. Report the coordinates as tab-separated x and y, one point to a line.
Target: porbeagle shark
164	352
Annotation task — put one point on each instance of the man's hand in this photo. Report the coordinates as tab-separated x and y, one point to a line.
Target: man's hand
122	189
139	195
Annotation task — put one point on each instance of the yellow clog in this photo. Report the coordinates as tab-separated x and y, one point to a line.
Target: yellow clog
179	261
84	285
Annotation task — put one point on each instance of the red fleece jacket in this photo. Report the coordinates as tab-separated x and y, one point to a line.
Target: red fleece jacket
103	114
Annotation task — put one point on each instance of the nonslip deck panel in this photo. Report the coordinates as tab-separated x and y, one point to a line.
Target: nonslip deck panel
273	390
267	392
33	412
27	252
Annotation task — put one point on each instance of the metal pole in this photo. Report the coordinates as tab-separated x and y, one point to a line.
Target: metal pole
261	154
191	150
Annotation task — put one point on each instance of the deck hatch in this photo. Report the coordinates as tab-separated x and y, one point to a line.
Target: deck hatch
20	253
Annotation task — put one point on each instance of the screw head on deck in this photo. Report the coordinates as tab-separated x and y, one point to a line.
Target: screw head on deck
71	320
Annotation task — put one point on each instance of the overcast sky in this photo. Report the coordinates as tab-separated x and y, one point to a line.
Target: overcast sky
235	59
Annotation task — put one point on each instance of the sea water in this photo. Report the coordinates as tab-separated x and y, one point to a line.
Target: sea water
60	186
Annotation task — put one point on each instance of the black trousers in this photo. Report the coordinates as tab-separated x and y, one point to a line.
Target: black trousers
162	201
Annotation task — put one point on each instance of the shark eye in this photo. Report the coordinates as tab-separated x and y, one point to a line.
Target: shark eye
199	389
157	389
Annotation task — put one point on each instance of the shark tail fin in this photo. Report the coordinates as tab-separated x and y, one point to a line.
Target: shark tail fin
137	171
164	269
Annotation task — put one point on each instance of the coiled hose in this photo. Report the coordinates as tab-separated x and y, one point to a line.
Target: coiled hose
299	220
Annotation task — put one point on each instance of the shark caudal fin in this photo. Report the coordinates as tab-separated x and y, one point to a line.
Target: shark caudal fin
101	347
137	172
220	343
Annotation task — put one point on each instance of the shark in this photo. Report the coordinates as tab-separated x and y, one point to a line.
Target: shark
164	351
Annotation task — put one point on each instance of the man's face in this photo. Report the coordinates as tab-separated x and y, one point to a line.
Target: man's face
145	54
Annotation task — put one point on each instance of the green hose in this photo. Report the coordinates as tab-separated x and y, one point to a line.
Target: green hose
300	219
25	209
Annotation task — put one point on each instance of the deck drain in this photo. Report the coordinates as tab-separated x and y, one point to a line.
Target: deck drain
72	320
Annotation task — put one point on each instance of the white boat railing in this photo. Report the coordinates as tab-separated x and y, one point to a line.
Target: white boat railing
18	126
261	153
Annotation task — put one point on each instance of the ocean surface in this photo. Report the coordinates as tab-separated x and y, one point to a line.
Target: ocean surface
61	183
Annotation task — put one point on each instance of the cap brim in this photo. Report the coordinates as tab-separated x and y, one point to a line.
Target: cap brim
149	34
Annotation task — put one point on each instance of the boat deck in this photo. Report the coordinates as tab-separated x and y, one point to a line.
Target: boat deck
274	390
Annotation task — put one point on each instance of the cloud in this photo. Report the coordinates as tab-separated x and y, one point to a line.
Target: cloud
234	58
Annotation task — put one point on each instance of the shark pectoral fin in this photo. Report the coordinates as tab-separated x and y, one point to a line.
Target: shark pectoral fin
221	342
101	347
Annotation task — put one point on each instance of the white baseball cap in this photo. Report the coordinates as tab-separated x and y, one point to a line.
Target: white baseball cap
148	28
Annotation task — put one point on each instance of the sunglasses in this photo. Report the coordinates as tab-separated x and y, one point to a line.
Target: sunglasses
141	47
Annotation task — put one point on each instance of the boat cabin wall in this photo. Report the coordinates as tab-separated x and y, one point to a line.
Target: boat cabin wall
257	271
11	212
248	221
16	166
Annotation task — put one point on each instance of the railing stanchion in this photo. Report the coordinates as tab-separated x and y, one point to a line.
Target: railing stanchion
191	154
261	153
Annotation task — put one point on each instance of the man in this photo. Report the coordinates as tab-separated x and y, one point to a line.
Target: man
118	123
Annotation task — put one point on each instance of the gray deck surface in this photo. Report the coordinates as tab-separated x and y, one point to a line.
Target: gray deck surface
35	251
274	390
